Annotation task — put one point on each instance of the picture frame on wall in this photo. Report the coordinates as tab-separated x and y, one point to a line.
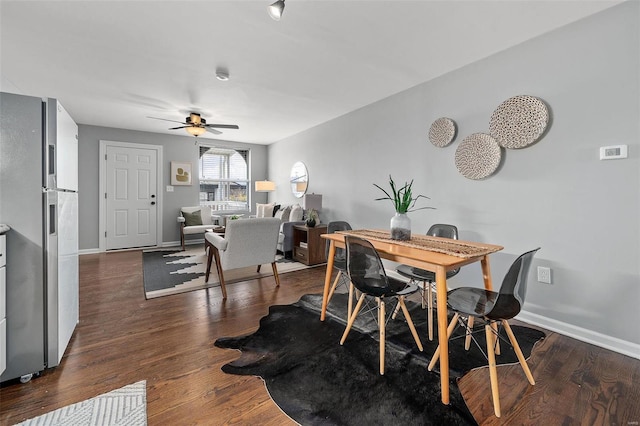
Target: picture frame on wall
180	173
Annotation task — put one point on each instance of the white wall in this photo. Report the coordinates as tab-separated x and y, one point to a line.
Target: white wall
175	148
555	194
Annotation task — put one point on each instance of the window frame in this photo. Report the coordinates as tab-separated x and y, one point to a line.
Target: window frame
224	206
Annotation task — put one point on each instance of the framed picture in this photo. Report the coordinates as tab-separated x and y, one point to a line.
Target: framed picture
180	173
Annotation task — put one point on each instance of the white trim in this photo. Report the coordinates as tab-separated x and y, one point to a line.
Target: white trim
589	336
102	226
88	251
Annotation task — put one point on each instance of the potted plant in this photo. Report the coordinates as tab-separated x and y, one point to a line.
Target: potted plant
403	202
312	218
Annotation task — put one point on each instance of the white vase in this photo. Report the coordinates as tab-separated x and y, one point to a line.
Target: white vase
401	227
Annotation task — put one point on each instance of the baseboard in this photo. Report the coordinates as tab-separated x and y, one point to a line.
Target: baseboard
88	251
612	343
177	243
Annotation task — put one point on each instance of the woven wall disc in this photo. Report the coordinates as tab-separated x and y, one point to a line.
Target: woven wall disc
442	132
478	156
519	121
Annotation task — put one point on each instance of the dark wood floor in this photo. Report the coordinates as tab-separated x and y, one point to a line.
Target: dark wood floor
123	338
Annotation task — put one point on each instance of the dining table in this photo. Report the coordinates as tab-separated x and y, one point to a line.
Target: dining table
434	254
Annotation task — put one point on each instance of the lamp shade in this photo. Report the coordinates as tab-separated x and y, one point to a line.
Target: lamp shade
195	130
265	186
276	9
312	201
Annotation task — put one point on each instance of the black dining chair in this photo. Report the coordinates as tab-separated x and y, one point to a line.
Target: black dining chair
369	277
340	264
494	308
425	279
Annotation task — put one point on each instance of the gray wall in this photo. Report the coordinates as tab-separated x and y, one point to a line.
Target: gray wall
555	194
176	148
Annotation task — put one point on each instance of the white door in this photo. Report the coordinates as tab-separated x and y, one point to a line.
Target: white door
131	201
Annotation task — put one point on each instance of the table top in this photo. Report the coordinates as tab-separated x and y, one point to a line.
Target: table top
435	250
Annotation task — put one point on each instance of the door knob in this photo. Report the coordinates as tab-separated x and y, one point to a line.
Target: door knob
153	203
153	196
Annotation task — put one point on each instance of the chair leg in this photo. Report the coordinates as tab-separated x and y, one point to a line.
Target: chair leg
436	354
424	295
516	347
209	258
275	273
381	328
430	309
352	318
333	286
182	237
258	268
412	327
395	311
350	302
216	255
493	372
467	338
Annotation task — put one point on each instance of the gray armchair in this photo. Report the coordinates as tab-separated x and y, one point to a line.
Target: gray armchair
246	242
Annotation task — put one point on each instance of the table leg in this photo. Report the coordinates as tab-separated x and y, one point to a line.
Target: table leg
443	341
327	279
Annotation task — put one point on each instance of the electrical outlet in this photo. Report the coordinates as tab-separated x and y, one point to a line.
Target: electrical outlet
544	275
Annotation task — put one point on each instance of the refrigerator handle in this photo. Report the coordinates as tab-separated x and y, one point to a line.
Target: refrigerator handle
52	159
52	219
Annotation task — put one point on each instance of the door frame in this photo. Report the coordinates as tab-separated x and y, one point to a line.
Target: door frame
102	226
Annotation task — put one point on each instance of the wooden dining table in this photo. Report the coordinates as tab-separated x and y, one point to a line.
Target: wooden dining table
438	255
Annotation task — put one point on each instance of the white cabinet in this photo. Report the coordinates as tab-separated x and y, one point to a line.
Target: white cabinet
3	298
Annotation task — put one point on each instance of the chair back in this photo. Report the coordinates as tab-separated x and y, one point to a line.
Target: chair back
250	242
340	257
443	230
513	288
366	270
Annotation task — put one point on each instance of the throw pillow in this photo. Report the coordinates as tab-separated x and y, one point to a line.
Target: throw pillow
275	209
296	213
283	214
192	219
264	210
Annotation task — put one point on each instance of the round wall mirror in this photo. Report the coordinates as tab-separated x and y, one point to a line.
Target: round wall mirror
299	179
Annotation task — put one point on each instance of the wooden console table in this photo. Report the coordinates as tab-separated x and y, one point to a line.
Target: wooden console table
308	246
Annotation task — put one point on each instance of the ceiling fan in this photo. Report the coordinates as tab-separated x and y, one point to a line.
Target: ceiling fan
195	125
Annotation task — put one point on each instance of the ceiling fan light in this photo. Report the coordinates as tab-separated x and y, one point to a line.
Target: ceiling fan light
276	9
195	131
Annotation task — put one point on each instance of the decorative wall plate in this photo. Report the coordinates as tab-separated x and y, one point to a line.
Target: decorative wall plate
442	132
519	121
478	156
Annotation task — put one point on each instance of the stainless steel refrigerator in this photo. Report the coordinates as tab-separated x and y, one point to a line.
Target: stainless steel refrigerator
39	201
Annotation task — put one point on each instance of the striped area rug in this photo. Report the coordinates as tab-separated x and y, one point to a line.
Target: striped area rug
124	406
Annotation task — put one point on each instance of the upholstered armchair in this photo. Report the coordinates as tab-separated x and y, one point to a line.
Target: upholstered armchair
246	242
194	220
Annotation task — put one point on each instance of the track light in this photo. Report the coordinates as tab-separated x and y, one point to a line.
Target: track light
276	9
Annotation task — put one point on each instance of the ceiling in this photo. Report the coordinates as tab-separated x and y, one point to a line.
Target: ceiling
115	63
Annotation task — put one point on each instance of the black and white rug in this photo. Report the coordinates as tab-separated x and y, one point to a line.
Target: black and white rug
316	381
169	272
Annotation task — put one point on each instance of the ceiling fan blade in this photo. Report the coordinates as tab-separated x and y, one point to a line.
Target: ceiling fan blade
180	127
223	126
164	119
214	131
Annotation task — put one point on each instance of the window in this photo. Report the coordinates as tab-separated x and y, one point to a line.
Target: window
224	178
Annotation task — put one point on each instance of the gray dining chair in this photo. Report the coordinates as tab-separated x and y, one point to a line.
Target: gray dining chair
340	264
425	279
494	309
